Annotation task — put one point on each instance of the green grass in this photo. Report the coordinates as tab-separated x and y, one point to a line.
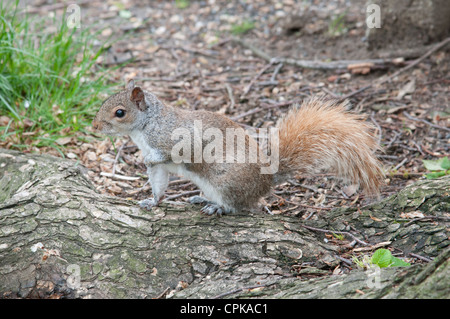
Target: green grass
50	85
242	27
182	4
337	26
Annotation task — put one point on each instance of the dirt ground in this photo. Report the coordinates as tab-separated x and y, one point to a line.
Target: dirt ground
187	57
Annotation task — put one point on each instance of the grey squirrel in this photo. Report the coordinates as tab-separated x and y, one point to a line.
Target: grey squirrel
319	134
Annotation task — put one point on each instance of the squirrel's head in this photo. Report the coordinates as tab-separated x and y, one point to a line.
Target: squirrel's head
121	112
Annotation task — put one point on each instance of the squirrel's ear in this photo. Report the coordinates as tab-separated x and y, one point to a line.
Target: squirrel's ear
138	98
130	85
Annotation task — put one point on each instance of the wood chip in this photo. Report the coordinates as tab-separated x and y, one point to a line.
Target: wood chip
122	177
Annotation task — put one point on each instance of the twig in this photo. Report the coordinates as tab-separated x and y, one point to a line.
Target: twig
161	79
117	176
268	210
425	217
209	53
249	112
332	65
400	164
336	232
425	121
315	190
161	295
409	66
376	246
220	43
263	107
230	95
405	175
396	136
188	193
310	215
406	147
249	86
116	159
421	257
175	55
273	80
314	207
418	147
334	95
55	6
388	156
343	64
254	49
345	260
179	182
426	150
275	72
417	61
303	205
378	127
356	92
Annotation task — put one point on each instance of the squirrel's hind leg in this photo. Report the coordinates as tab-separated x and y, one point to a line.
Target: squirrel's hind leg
198	200
210	207
214	209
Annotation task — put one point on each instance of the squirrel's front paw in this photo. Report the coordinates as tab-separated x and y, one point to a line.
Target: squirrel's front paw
148	203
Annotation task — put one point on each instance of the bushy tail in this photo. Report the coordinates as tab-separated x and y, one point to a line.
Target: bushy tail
320	134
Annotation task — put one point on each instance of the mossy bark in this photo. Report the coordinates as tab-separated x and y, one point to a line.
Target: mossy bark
60	238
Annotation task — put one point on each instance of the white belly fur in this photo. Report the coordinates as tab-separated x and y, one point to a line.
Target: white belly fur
150	154
209	190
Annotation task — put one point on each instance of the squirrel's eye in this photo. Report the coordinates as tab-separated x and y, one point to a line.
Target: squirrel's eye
120	113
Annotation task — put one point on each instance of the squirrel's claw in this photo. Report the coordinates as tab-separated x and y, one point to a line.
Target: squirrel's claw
211	209
198	200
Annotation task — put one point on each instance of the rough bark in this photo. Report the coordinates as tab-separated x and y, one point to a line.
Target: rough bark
60	238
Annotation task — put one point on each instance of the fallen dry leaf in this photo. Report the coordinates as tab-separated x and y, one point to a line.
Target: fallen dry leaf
360	68
408	88
415	214
63	140
349	190
375	218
